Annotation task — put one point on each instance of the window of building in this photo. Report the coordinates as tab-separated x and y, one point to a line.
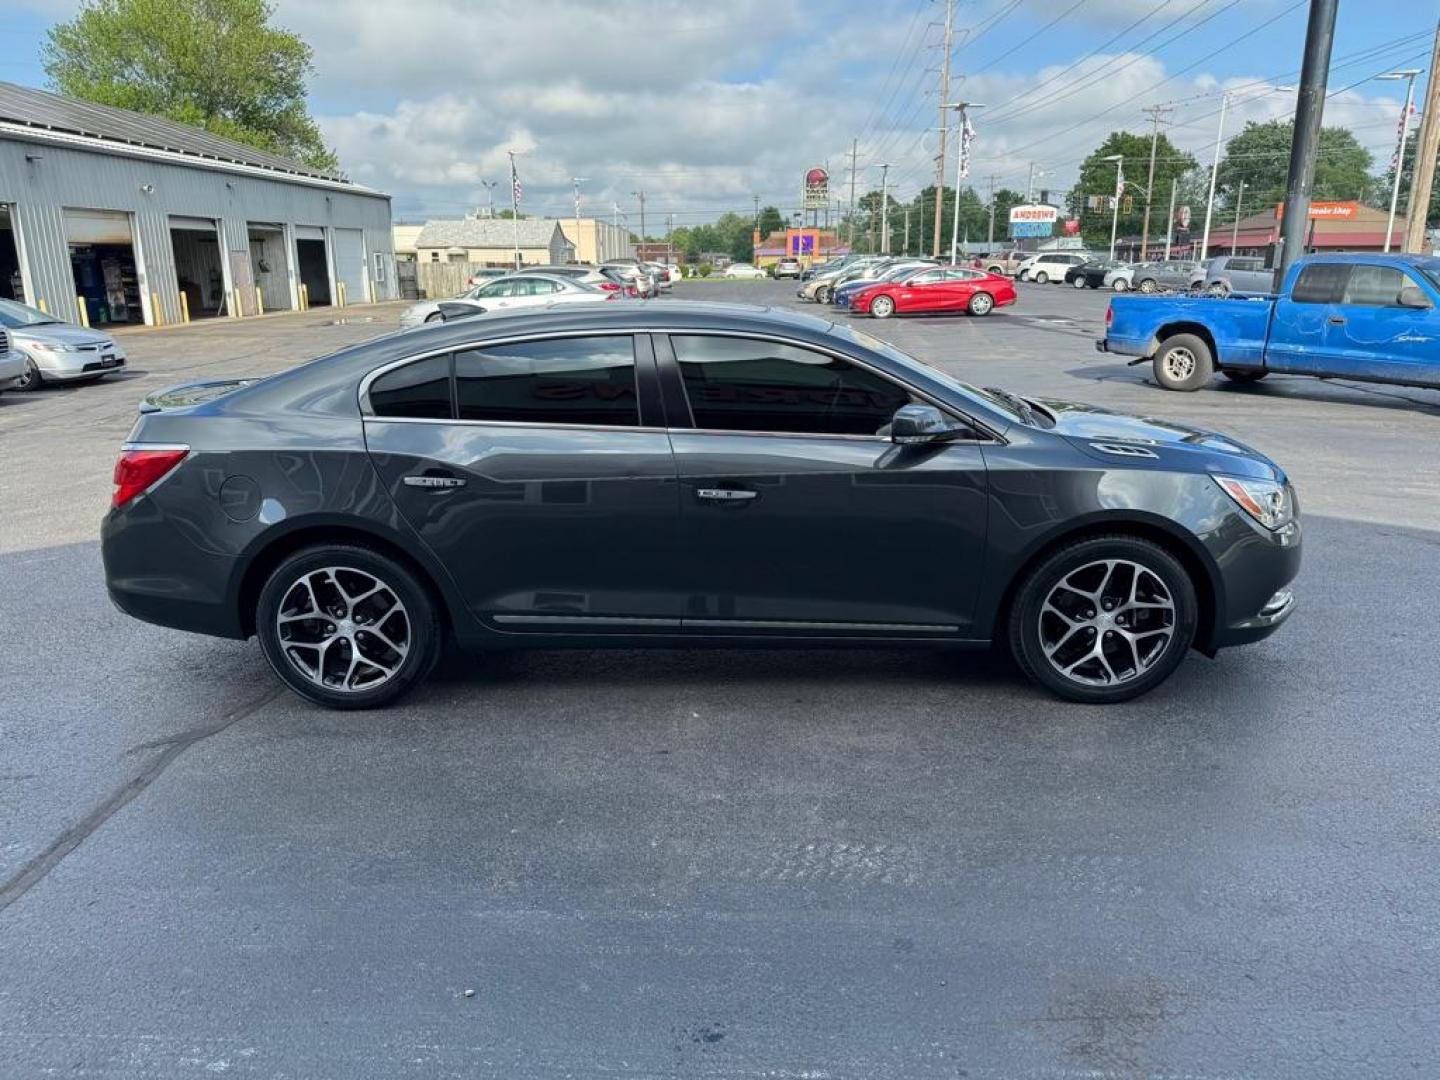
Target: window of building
421	389
581	380
747	384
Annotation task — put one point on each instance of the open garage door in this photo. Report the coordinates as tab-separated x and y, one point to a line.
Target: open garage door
106	265
313	263
270	264
12	282
350	269
199	266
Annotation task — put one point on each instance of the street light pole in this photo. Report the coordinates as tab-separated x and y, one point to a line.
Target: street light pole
1214	172
1170	221
1408	75
1235	228
577	181
1119	160
961	168
490	194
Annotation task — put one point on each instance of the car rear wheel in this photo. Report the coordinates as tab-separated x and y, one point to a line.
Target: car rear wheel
1105	619
1042	278
1079	282
1024	275
1148	285
822	295
1183	362
882	307
347	627
981	303
1120	285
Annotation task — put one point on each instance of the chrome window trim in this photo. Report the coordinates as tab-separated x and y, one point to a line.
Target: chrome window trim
509	424
368	413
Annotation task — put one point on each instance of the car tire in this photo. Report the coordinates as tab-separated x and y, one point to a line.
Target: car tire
1243	377
982	303
1042	278
1148	285
1024	275
822	295
1069	642
1120	285
1218	289
1079	283
1183	362
882	307
397	625
31	380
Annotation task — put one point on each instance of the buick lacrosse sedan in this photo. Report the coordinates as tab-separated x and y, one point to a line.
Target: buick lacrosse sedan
684	475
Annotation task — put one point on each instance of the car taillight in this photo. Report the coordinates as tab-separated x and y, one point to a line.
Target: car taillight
139	469
608	286
1109	315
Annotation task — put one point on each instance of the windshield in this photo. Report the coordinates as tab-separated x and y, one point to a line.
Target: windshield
1431	270
13	316
1001	404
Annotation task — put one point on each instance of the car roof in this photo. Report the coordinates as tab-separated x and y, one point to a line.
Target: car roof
1408	258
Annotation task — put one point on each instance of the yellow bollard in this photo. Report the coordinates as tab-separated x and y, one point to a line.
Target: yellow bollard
304	297
156	311
235	312
84	312
340	290
41	305
184	308
259	303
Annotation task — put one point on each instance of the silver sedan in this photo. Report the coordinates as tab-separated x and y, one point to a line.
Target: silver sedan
518	290
56	351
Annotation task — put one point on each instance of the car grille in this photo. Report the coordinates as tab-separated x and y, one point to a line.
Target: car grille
4	341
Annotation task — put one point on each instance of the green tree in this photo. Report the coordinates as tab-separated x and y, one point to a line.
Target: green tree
1097	178
1260	155
771	221
214	64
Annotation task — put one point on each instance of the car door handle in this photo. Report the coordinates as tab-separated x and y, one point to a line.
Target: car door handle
1336	320
726	494
437	481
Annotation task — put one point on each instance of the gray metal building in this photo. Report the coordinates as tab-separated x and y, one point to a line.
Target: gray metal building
114	216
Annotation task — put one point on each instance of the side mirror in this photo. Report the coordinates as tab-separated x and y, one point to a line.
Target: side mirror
1412	296
915	424
450	310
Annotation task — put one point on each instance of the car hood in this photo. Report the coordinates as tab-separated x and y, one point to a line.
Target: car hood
1112	436
60	334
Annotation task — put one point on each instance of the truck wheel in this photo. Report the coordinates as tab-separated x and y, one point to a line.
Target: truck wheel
1184	362
1244	376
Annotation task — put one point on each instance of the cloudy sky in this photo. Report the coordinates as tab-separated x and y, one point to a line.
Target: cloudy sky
705	107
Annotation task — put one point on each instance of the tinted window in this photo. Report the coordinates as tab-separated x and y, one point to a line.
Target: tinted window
742	384
559	381
496	288
1246	264
1320	283
926	278
418	389
1375	286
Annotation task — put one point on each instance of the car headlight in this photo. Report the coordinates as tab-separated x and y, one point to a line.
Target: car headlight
49	346
1269	503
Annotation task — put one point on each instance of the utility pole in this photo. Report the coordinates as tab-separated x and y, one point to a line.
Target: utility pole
962	166
884	168
1119	194
1235	228
1030	186
1409	76
641	196
905	246
1427	149
854	149
756	221
944	100
1155	112
990	236
1309	112
1170	221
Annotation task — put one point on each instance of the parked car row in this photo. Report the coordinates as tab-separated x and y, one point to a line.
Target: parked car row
37	348
882	286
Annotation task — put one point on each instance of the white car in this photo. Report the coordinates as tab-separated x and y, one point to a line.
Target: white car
744	270
1050	265
514	291
12	362
660	273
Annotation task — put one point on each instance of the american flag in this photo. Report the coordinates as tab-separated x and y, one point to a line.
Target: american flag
967	136
515	188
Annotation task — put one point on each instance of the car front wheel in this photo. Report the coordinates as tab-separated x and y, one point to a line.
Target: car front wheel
882	307
1120	285
1104	619
1042	278
1079	283
347	627
32	378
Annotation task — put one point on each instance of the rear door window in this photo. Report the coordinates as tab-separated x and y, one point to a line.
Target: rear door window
578	380
1320	283
1375	286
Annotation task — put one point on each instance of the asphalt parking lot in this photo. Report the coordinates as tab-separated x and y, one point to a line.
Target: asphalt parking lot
829	865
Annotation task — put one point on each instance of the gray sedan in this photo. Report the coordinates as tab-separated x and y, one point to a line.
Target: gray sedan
56	351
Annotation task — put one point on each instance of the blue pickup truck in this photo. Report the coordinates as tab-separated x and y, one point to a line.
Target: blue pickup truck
1372	318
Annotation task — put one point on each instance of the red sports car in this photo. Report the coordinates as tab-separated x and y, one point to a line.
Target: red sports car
939	288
